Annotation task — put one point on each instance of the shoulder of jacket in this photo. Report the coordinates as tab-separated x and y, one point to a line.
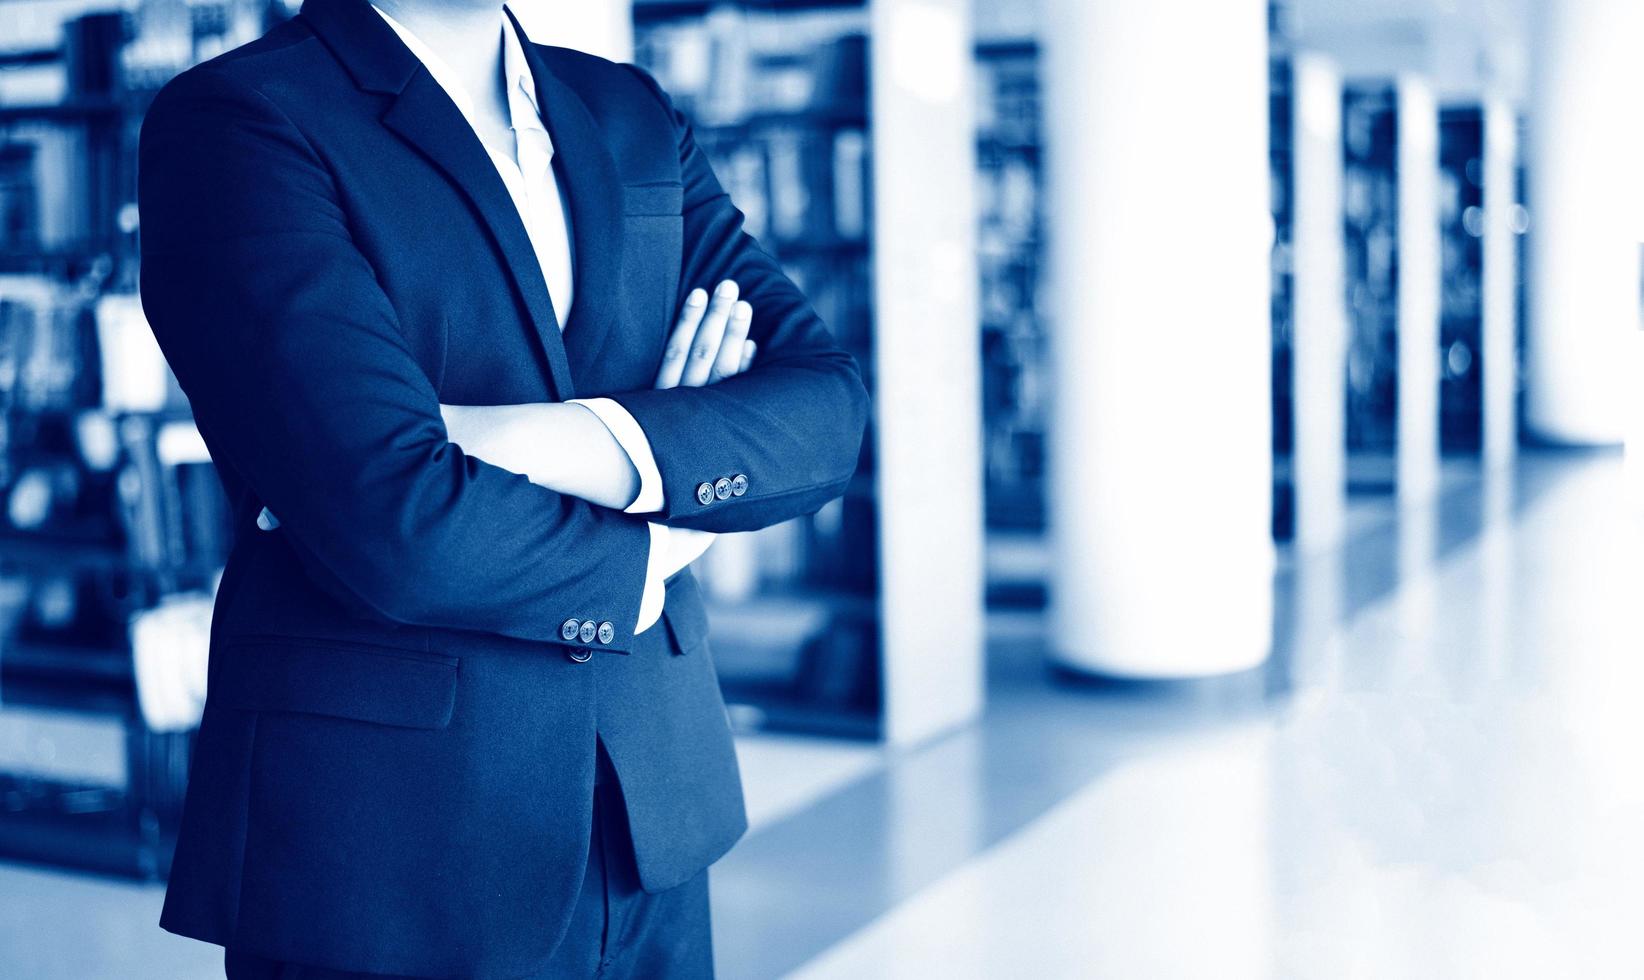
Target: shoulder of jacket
285	53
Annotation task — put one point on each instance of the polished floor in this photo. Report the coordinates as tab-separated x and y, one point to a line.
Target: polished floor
1438	774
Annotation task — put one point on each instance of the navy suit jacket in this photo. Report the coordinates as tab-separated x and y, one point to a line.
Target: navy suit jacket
394	770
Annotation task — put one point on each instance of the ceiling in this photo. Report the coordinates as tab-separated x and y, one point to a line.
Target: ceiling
1468	48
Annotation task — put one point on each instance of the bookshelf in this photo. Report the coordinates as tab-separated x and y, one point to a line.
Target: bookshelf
828	624
1482	300
102	520
1461	330
1394	248
1010	245
1370	197
1282	163
859	621
777	94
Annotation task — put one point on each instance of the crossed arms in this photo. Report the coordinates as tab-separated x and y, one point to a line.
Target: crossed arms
709	344
595	451
310	400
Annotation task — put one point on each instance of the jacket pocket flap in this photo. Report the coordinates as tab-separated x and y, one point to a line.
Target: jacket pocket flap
408	690
639	199
684	612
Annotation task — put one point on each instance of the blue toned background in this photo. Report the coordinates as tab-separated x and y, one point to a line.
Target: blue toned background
1241	577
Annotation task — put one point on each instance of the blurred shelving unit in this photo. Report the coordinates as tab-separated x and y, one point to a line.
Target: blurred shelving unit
110	508
1010	249
1461	339
1015	341
825	624
1394	249
1370	197
777	95
1282	161
863	620
1484	223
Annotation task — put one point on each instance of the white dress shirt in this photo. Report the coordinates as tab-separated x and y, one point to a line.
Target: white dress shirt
539	197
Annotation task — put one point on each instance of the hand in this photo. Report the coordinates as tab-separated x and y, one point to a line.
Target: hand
710	341
709	344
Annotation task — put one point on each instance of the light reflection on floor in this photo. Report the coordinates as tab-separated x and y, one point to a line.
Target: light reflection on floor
1437	775
1450	788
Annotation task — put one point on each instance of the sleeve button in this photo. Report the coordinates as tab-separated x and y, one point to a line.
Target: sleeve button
607	632
580	655
569	629
722	488
589	629
739	485
705	494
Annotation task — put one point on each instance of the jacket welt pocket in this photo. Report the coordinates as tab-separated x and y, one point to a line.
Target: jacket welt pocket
382	685
655	199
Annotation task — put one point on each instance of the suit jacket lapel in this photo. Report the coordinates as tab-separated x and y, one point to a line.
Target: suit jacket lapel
594	190
427	119
424	116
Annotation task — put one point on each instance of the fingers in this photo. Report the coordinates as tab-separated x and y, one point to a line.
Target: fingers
679	342
705	349
729	361
709	342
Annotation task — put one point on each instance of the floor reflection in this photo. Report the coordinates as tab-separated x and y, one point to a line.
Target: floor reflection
1437	777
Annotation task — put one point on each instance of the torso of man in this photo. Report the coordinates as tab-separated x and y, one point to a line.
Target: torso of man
411	674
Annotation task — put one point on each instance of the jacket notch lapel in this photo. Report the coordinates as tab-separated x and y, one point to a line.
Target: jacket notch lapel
424	116
593	189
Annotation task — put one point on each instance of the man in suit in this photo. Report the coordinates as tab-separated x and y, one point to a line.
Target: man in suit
439	297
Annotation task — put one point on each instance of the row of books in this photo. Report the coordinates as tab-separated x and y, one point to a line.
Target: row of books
101	472
779	103
1282	169
1461	329
1010	237
1370	201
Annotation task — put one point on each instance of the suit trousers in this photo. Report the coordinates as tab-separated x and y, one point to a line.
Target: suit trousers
617	930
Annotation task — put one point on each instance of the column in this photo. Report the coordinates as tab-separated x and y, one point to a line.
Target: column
1420	268
1585	162
1500	285
1157	175
1320	344
927	354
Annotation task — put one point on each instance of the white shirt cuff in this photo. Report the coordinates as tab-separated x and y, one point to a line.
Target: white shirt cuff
672	548
656	573
632	439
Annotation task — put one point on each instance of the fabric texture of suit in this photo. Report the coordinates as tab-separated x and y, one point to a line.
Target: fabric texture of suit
617	932
394	772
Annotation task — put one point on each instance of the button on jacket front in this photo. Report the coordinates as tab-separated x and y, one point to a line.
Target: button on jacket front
389	666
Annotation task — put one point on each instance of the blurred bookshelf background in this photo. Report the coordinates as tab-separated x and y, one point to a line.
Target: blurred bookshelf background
113	527
779	102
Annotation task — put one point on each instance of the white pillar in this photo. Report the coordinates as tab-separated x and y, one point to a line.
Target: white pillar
1160	496
1586	167
1320	342
602	27
927	365
1500	286
1420	272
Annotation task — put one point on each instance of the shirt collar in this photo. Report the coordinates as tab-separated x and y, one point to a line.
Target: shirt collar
524	113
523	110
